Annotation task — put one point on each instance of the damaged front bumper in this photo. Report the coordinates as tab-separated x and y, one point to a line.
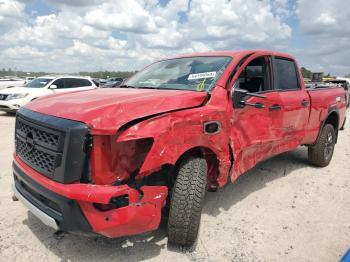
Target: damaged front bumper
73	207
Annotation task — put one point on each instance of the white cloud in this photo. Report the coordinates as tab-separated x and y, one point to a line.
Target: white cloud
11	8
132	33
11	14
127	16
325	19
122	35
327	34
21	53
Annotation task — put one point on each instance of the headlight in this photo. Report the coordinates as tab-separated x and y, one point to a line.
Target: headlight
16	96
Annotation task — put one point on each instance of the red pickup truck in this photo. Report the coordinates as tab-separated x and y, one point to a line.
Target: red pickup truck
111	161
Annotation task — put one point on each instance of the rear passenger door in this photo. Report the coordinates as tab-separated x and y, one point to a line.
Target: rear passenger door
295	102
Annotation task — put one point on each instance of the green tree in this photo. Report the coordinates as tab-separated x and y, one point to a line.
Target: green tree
306	73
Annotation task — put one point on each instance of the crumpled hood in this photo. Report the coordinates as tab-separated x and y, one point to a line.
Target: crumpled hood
106	110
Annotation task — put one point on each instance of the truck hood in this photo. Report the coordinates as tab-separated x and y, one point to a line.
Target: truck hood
106	110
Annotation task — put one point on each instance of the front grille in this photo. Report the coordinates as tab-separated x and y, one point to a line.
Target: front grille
39	160
38	146
52	146
43	136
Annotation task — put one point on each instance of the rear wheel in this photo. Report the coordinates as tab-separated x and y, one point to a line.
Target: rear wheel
187	201
321	153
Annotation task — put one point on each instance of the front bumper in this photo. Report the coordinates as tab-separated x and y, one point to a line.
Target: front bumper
70	207
46	219
11	105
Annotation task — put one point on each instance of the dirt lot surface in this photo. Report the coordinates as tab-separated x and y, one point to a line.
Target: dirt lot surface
283	210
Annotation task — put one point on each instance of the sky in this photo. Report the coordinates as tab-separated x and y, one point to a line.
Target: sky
91	35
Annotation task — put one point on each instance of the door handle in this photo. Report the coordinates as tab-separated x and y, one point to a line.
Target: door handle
305	103
275	108
256	105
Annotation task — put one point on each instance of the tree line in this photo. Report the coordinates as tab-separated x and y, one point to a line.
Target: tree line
108	74
9	72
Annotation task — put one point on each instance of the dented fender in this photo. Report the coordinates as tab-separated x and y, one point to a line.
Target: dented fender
176	133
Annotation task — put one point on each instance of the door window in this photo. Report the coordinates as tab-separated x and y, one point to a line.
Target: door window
84	82
287	74
256	76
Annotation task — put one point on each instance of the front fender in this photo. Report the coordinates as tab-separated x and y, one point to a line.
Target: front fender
176	133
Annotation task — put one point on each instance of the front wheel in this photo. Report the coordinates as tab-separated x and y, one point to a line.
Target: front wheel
321	153
187	201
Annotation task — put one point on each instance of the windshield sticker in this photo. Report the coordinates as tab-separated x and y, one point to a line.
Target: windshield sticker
202	75
201	85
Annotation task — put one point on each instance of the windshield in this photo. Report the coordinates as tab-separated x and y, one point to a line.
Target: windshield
38	83
192	73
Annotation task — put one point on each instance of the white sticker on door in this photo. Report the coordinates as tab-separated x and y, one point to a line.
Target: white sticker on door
202	75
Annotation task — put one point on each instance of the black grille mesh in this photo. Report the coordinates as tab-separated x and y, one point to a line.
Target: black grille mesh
44	152
40	161
51	140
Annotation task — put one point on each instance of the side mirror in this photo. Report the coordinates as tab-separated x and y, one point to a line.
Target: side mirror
239	97
53	87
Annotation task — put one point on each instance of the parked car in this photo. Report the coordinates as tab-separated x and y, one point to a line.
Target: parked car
96	81
102	81
11	82
12	99
344	83
112	82
109	161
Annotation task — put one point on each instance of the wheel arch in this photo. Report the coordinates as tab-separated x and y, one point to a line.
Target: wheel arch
333	119
211	158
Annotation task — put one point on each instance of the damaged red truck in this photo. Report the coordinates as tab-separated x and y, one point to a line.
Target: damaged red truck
112	161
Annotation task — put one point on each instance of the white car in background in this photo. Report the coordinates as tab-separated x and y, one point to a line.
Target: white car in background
11	82
11	99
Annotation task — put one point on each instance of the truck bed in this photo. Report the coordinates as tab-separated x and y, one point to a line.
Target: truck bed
323	101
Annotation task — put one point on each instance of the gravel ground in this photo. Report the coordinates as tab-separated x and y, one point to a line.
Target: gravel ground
283	210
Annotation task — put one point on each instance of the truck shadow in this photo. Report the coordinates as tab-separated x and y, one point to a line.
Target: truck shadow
73	247
145	246
255	180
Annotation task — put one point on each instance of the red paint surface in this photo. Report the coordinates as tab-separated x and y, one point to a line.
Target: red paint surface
174	121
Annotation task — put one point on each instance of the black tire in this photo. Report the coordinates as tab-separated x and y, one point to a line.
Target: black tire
321	153
187	201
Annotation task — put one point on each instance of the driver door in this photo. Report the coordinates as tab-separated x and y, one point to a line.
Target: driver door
255	121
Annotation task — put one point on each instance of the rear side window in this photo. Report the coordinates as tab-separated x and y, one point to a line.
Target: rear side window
76	82
84	82
287	74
